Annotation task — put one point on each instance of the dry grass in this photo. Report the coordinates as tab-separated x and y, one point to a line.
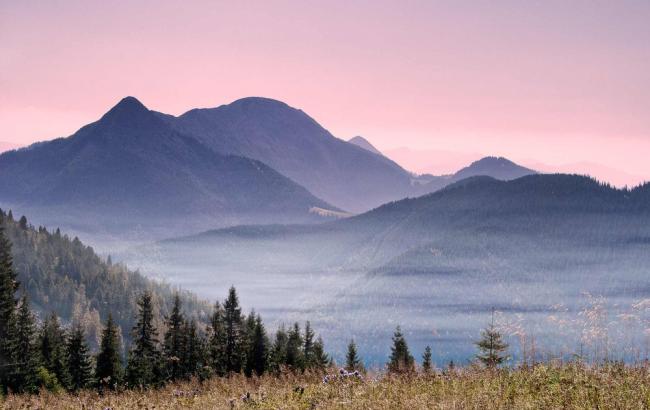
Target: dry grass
544	386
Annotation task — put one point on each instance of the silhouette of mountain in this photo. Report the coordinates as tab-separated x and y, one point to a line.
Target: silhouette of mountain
294	144
359	141
131	168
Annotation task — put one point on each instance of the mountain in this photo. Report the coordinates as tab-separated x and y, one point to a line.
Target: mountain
293	143
60	274
359	141
132	169
6	146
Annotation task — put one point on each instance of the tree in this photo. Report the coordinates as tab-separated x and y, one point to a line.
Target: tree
401	360
193	355
217	341
249	334
24	377
78	359
143	368
294	357
320	359
308	346
426	360
352	361
108	371
23	223
52	346
279	353
492	348
259	351
174	342
234	350
8	287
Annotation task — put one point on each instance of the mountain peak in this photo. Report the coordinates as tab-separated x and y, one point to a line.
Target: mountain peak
359	141
128	108
497	167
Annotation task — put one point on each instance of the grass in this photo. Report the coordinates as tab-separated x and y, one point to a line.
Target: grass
567	386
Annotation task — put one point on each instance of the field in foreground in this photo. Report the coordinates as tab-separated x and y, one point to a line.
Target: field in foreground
544	386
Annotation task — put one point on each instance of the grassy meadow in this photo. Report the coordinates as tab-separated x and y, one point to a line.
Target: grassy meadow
544	386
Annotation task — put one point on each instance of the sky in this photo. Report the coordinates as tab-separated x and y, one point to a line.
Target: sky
553	84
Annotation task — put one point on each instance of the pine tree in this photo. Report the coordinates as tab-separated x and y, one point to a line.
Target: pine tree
52	342
492	348
174	342
294	357
78	359
217	341
352	361
24	377
320	359
23	223
260	350
426	360
108	371
8	288
401	360
248	335
194	352
279	352
234	351
143	367
308	346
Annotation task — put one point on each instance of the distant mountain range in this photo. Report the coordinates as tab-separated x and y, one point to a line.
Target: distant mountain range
255	160
131	168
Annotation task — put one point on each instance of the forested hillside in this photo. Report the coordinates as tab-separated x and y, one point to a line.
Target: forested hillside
60	274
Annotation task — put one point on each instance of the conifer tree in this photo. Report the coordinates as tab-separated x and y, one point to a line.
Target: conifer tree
217	341
294	356
174	342
249	335
143	368
426	360
78	359
320	359
234	351
401	360
24	377
352	361
52	344
260	349
193	353
308	346
8	287
279	353
492	348
108	371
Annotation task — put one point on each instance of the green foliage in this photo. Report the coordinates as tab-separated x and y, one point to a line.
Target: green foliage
294	357
426	360
279	352
174	342
193	354
492	347
259	351
8	287
217	341
78	359
144	367
352	361
320	359
24	375
234	349
401	360
48	380
108	371
52	347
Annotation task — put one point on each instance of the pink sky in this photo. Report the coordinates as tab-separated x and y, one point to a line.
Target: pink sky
541	82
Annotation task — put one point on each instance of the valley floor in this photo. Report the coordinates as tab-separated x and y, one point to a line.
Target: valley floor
541	387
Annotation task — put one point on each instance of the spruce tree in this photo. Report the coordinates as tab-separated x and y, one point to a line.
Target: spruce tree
279	352
294	356
8	287
217	341
352	361
174	342
426	360
401	360
492	348
234	351
193	355
249	335
109	372
308	346
24	377
52	346
260	349
78	359
143	367
321	360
